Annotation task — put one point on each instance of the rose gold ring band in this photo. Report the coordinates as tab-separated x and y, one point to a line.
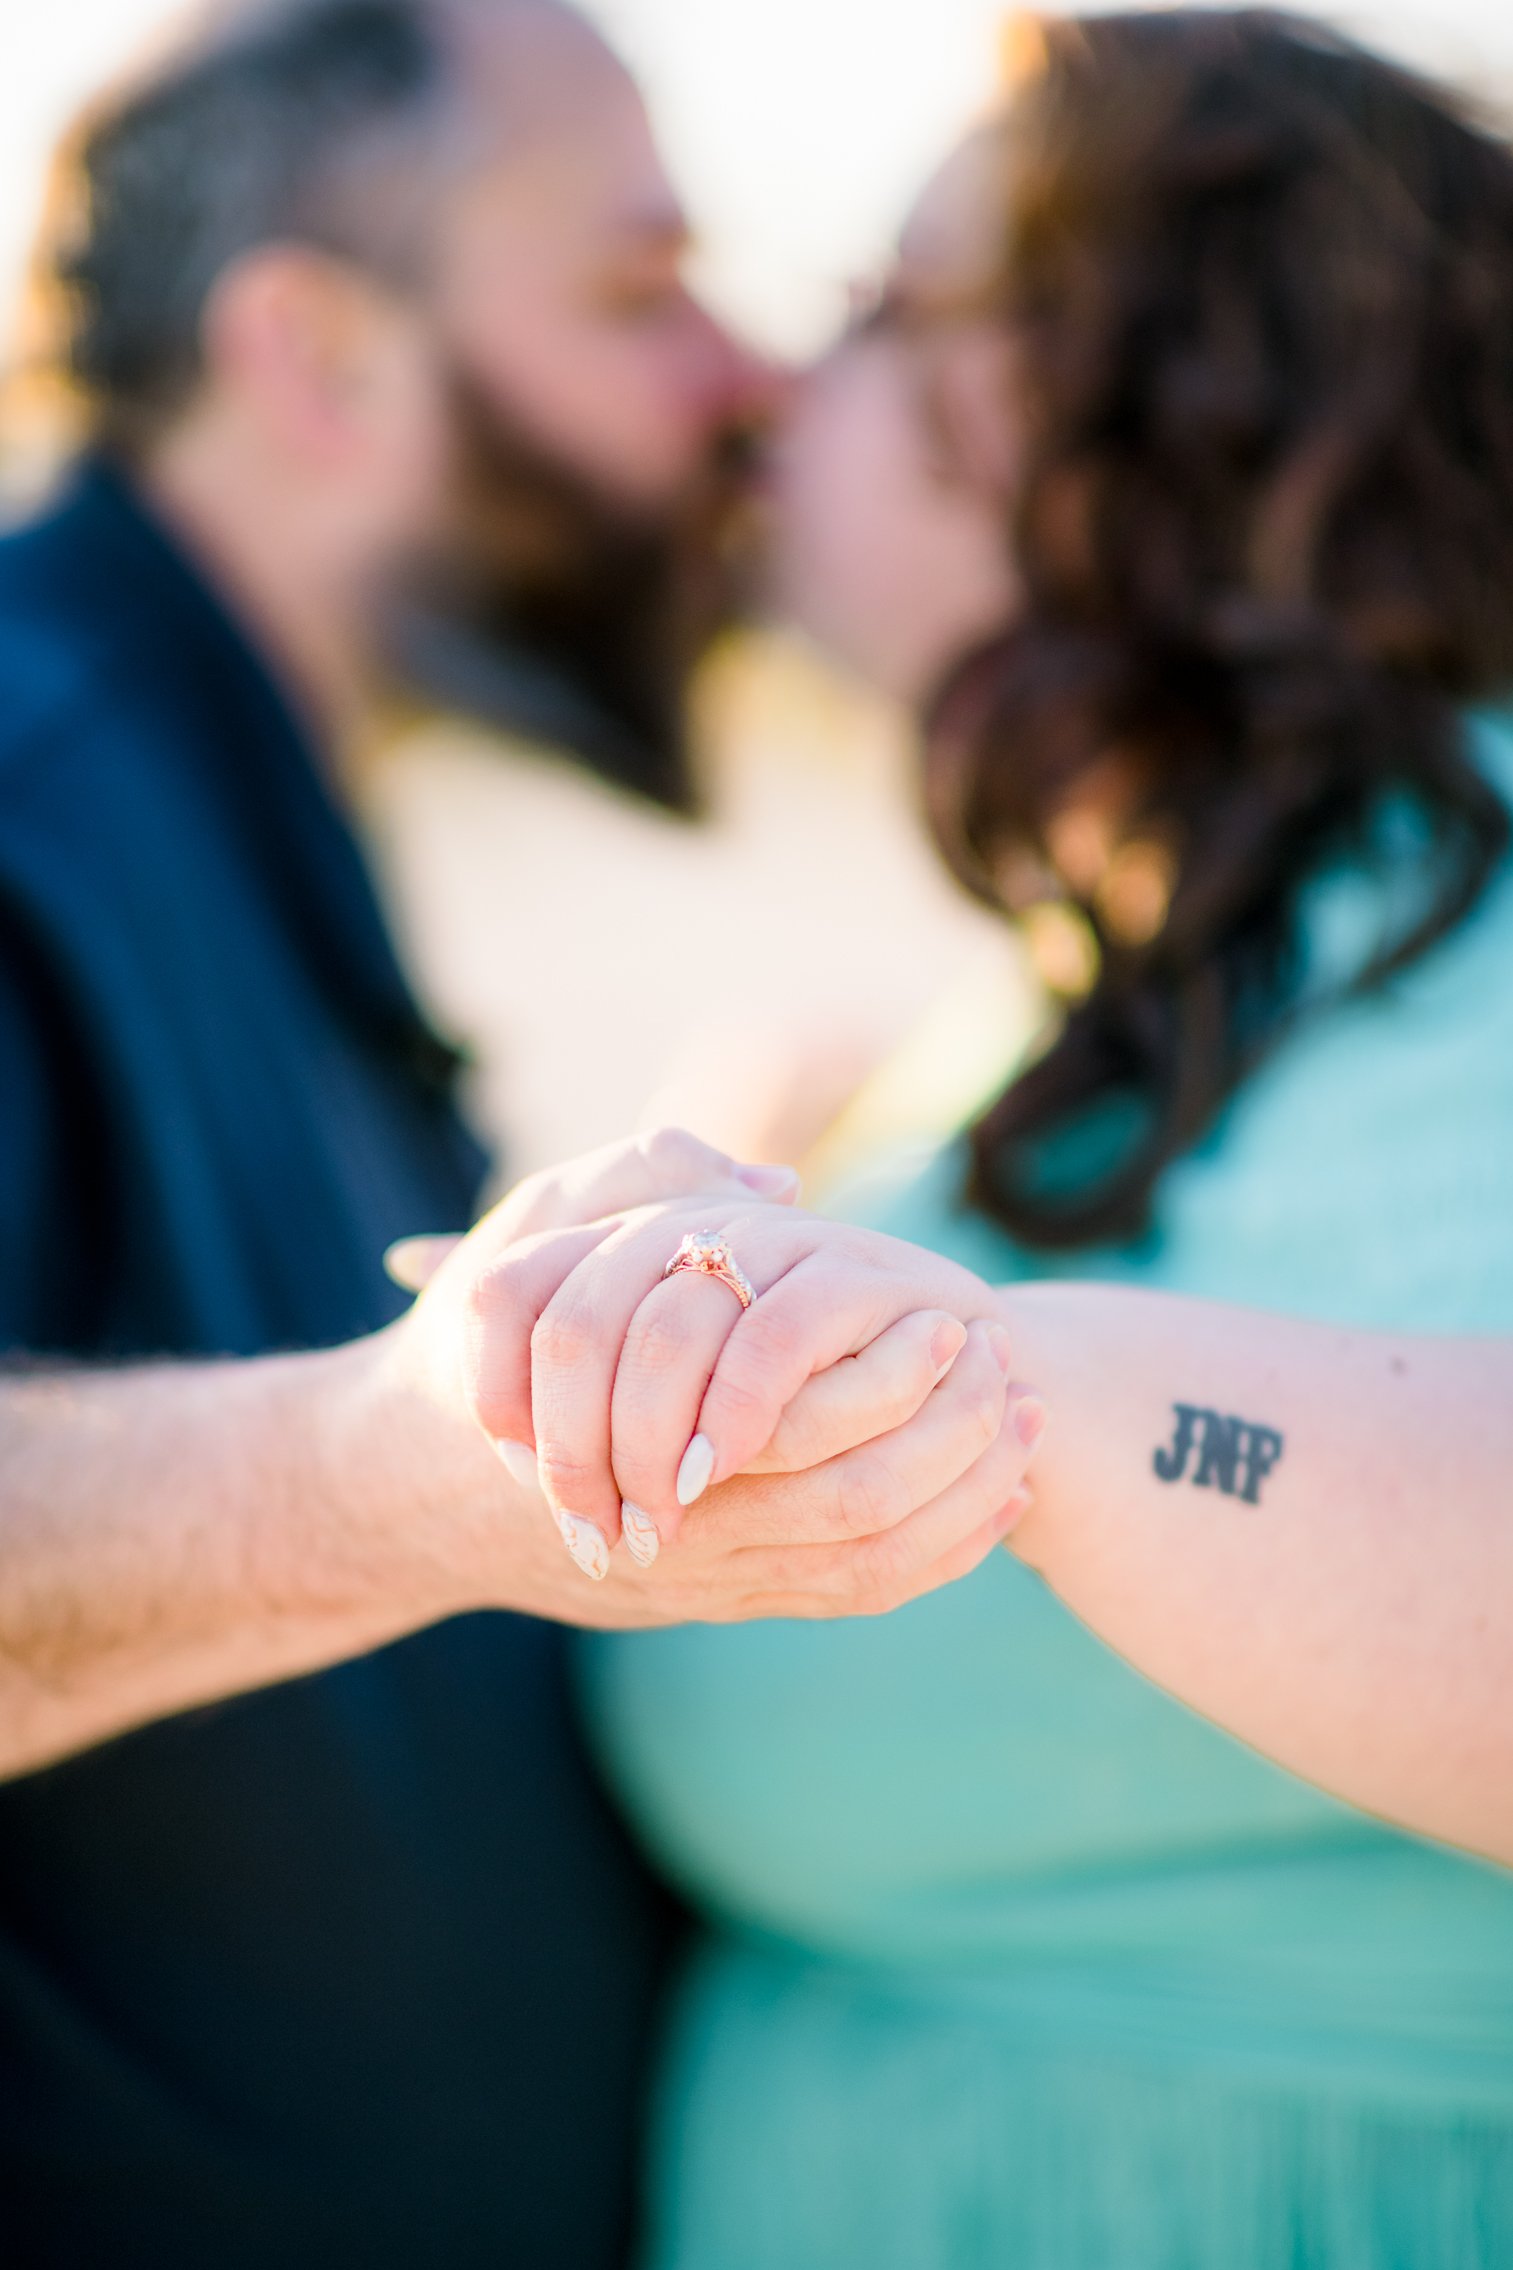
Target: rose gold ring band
709	1256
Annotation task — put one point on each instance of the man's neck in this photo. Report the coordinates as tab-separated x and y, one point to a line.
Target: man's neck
268	555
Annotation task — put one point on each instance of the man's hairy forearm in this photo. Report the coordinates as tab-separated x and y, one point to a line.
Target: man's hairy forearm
1304	1533
175	1534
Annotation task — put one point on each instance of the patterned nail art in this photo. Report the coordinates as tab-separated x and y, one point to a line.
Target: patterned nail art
586	1544
641	1539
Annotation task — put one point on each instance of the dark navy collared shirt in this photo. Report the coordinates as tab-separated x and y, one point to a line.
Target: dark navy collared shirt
356	1971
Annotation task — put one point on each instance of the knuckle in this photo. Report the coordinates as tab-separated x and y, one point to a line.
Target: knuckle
493	1324
768	1342
983	1416
894	1406
799	1572
866	1497
886	1565
570	1480
673	1158
494	1297
799	1441
741	1396
492	1405
568	1472
657	1341
483	1299
565	1336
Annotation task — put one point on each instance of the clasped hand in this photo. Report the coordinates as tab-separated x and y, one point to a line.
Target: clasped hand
851	1440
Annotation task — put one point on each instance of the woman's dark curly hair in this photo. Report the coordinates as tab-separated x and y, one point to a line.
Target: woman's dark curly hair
1259	286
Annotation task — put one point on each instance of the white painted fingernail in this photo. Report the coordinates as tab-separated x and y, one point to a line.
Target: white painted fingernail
694	1473
587	1545
520	1463
641	1537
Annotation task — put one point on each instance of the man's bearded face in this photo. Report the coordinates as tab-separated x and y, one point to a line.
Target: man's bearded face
539	579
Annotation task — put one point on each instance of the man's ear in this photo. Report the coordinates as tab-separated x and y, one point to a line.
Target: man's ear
295	335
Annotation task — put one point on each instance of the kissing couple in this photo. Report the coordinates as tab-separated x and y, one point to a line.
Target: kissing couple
975	1734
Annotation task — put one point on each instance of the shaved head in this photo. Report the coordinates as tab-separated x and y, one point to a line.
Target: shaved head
526	62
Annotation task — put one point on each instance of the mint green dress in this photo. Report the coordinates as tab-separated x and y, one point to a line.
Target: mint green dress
1013	1961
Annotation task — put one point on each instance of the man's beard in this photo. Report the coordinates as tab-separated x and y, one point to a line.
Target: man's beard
550	609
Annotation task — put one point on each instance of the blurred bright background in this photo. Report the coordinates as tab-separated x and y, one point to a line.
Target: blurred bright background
799	127
794	977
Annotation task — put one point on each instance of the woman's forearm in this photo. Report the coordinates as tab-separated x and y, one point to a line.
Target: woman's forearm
1305	1534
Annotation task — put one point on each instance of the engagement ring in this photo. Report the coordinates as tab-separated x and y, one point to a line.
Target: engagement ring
710	1256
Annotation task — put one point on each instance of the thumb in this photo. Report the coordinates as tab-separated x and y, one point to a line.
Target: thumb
413	1261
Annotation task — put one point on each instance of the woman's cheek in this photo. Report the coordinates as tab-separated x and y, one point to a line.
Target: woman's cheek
842	537
890	569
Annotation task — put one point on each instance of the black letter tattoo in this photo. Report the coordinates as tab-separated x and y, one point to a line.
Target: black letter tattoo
1171	1464
1262	1453
1232	1455
1221	1453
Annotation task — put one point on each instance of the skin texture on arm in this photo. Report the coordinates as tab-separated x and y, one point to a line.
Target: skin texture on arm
177	1534
1303	1533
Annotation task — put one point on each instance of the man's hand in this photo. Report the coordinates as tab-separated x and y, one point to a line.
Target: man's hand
178	1533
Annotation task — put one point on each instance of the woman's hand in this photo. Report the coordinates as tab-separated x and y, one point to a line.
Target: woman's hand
892	1470
627	1389
858	1534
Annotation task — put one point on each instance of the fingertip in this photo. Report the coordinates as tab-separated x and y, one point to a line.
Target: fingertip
1027	1416
587	1544
780	1184
643	1540
572	1520
411	1262
947	1340
399	1266
519	1461
695	1472
1013	1511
